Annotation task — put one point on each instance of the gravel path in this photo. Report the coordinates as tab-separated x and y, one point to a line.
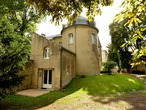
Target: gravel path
128	101
131	101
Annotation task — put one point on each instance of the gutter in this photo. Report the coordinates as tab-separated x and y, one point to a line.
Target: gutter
79	25
60	68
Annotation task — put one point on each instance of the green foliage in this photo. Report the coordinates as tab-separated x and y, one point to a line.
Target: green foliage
70	9
139	57
113	54
14	53
134	15
119	34
134	11
17	20
122	57
8	82
121	48
109	65
77	89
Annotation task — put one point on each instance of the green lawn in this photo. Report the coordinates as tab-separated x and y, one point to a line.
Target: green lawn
91	85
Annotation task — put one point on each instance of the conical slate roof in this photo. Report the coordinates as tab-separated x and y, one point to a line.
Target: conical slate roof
81	20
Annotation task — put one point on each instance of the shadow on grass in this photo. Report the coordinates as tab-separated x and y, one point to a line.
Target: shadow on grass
135	100
92	85
131	101
17	102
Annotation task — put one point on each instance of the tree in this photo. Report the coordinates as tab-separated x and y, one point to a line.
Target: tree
117	52
134	12
108	66
17	20
70	9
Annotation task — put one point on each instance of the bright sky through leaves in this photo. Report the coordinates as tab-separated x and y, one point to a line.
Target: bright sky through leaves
102	23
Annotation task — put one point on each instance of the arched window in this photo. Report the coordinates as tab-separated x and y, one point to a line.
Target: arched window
71	38
47	53
94	39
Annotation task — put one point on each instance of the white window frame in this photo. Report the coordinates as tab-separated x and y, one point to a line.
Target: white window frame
47	53
47	84
70	38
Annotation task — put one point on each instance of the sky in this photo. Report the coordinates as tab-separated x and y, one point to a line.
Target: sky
102	23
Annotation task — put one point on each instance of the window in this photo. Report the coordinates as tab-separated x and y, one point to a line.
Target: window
60	43
93	37
47	53
71	38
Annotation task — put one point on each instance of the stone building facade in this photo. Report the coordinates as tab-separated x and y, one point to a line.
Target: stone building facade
104	56
55	62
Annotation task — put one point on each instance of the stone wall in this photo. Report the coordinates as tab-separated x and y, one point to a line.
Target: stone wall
39	43
81	57
104	56
57	40
28	72
99	53
87	59
67	67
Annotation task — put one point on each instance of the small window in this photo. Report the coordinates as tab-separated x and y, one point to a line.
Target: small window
60	43
71	38
94	40
47	53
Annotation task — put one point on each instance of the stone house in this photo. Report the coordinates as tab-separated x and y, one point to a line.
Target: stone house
54	62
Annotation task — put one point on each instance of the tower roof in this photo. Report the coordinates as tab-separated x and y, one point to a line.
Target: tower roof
81	20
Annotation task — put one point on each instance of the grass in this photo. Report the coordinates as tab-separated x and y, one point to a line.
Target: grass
91	85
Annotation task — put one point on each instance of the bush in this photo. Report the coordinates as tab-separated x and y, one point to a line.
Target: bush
107	66
8	82
138	72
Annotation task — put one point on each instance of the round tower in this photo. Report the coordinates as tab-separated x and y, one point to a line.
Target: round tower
81	38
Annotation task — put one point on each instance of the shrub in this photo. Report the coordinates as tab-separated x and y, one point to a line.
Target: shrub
138	72
8	82
107	66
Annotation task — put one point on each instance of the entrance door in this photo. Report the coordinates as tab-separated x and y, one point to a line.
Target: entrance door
47	79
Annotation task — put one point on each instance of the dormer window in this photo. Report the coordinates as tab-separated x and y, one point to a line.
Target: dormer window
71	38
94	39
47	53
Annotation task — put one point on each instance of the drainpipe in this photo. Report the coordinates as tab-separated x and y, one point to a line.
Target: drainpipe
60	67
75	38
75	48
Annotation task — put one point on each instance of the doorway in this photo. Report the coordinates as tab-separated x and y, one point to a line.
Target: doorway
47	79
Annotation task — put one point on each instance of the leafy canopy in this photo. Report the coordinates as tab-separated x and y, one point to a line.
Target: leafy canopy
134	12
17	20
117	52
60	9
